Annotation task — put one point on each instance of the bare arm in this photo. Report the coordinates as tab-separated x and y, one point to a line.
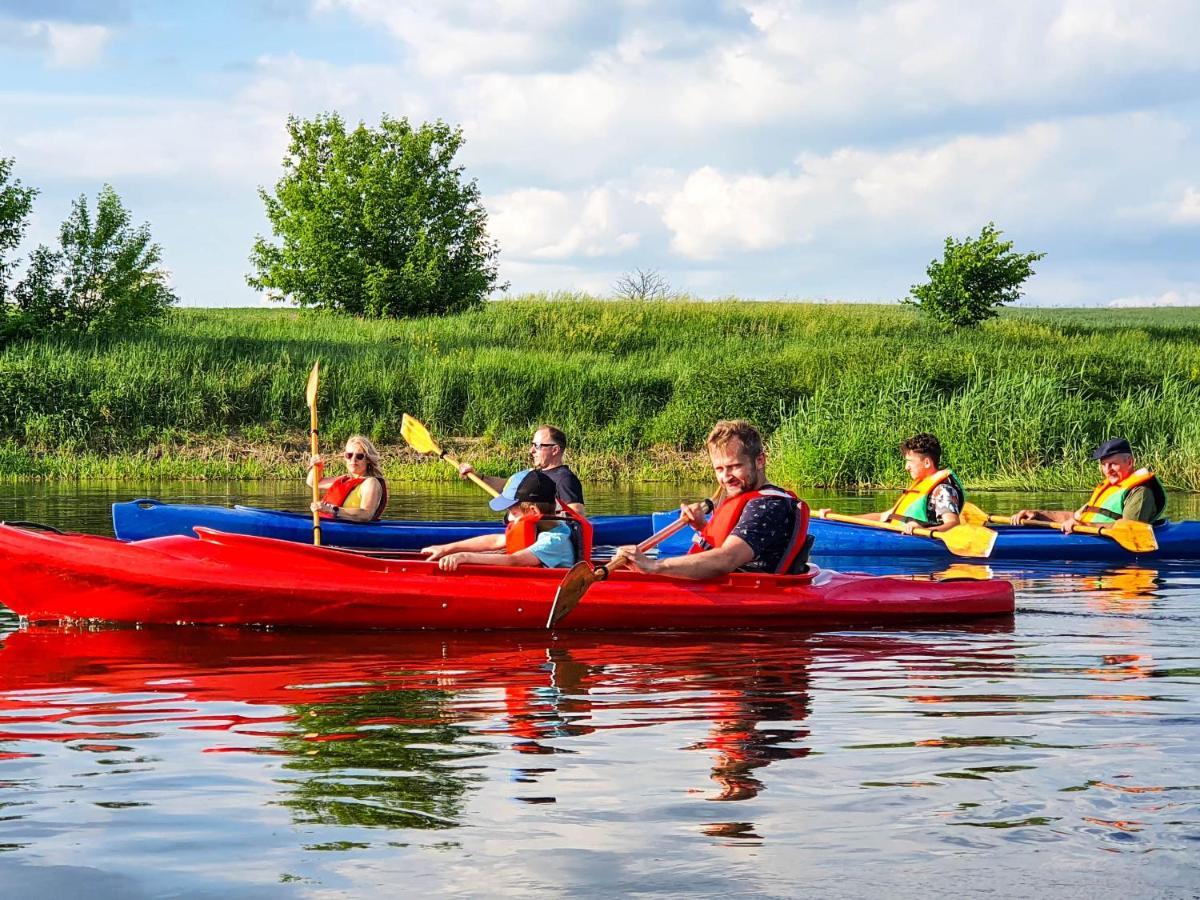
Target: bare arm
452	561
466	470
949	520
481	543
1044	515
734	552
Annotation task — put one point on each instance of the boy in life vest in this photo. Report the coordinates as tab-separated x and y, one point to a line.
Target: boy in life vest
757	527
532	535
934	499
1126	492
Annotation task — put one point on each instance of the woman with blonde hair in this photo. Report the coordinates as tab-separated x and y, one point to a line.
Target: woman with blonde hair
358	496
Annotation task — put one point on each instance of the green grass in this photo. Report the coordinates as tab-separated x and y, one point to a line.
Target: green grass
220	393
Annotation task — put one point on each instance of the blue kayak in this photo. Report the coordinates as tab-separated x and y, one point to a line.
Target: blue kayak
146	518
1176	540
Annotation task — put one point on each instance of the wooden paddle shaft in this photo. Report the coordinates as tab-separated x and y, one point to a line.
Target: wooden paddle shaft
314	445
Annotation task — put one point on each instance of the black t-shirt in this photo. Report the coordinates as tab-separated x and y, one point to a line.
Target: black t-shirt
766	524
569	488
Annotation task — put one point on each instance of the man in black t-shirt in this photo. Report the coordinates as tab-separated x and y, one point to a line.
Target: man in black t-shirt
765	530
546	452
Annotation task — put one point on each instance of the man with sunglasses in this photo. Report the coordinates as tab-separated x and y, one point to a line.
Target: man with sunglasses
546	452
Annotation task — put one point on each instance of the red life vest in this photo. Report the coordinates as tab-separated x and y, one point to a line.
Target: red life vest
726	516
343	486
521	532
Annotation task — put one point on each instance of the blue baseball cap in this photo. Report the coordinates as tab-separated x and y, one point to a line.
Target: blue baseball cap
1108	448
527	486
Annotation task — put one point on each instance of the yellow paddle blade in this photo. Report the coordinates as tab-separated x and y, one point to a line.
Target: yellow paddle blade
964	572
973	515
968	540
571	589
310	392
418	436
1136	537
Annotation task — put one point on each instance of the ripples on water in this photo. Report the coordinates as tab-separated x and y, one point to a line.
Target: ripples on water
1053	755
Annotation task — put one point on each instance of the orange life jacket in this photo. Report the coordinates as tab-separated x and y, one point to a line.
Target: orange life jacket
521	532
343	486
913	505
725	518
1108	500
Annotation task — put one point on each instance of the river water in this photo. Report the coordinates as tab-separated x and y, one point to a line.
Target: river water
1053	755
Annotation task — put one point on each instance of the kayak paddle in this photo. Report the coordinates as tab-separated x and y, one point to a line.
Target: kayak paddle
310	393
1136	537
583	574
961	540
419	438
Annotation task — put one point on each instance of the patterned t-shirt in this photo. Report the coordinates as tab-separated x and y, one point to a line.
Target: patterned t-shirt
766	524
944	499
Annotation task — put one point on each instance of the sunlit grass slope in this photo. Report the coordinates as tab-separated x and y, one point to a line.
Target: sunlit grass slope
1017	402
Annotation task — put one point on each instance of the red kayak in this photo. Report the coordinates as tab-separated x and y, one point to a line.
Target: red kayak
227	579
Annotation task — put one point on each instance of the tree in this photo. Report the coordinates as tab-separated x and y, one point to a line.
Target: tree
642	284
375	222
16	201
105	278
973	279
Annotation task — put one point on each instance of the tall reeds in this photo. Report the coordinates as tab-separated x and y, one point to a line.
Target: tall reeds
1017	402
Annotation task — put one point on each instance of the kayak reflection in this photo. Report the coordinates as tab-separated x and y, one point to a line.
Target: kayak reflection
402	731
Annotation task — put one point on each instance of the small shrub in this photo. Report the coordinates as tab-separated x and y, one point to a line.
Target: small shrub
973	279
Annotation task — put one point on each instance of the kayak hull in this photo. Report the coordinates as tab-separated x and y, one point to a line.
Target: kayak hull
138	520
1176	540
224	579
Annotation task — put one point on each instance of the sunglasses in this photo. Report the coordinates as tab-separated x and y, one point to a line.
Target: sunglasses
356	456
536	446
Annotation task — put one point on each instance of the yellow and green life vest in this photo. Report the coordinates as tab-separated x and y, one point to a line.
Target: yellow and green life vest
913	505
1107	502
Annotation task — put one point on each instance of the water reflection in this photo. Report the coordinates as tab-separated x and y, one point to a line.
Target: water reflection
399	731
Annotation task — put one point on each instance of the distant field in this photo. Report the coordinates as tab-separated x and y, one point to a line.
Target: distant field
635	385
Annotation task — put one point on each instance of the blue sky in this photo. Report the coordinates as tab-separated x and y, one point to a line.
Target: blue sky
764	149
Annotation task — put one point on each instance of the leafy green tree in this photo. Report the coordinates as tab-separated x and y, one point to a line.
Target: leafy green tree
16	201
375	222
973	279
105	278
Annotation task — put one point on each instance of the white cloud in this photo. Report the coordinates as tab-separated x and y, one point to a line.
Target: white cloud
713	213
67	45
1042	177
1187	212
1167	298
458	36
553	225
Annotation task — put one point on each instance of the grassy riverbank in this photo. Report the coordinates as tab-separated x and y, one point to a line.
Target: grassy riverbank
220	393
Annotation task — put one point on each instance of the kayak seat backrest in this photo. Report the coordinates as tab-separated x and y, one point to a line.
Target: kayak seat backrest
799	565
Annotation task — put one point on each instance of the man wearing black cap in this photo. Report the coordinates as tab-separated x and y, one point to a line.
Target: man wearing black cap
532	537
1126	492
